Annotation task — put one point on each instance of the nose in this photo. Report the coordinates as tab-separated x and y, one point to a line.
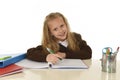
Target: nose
60	30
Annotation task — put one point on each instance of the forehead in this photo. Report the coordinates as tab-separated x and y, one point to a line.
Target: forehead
57	20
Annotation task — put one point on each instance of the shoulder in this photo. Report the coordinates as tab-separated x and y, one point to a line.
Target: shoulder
77	36
39	47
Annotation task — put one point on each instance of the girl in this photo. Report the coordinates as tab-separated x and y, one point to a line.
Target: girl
58	37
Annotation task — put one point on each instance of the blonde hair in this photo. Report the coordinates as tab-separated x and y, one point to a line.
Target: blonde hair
50	41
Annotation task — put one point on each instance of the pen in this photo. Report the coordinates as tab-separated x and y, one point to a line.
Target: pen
6	57
51	52
50	64
116	50
115	54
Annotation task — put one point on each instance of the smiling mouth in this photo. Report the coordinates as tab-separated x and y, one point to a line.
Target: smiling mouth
63	34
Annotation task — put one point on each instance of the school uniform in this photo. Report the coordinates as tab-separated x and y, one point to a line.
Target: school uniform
85	52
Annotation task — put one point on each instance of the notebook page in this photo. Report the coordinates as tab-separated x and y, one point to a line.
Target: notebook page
70	64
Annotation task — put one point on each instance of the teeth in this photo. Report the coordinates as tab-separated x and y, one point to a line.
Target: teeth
62	34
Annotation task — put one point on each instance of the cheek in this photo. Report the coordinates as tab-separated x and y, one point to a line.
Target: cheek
54	33
65	28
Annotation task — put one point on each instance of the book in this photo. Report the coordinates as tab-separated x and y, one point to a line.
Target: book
62	64
11	69
7	59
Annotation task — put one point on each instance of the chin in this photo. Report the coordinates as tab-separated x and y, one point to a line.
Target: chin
62	39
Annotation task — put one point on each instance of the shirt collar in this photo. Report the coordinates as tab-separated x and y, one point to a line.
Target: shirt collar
64	43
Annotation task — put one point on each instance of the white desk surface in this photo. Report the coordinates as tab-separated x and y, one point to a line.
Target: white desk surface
92	73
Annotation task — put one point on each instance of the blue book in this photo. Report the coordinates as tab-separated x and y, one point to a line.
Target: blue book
8	59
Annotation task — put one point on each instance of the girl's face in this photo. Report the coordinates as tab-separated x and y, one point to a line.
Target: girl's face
58	28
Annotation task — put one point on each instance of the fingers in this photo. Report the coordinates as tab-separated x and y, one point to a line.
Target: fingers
60	55
52	58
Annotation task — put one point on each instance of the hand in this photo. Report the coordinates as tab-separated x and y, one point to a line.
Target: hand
54	58
60	55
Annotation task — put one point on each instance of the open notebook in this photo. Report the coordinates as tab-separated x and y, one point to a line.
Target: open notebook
63	64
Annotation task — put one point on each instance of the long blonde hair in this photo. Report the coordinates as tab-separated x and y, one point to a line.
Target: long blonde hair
50	41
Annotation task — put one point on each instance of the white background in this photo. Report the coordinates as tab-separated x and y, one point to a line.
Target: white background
21	23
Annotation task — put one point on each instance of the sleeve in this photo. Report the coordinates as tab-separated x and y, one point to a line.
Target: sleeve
36	54
85	51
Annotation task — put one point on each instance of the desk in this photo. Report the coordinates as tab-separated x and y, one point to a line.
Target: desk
93	73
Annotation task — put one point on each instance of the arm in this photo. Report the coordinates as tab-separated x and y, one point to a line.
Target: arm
85	51
36	54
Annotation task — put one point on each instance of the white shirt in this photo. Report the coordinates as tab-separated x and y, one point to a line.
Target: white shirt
64	43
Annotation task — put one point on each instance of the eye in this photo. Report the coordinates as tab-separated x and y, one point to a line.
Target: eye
62	25
55	29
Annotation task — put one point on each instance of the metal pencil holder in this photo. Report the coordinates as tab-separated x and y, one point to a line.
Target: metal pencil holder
109	63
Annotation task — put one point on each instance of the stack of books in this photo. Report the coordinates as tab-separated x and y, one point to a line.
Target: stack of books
11	69
7	64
